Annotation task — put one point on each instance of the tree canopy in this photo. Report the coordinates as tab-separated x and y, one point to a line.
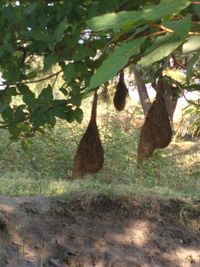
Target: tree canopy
87	43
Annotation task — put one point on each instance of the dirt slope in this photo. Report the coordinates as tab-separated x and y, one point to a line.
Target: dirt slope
98	232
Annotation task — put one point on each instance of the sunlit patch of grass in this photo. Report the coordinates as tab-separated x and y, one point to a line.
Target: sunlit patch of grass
46	167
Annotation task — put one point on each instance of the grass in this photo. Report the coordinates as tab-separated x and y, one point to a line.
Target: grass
45	168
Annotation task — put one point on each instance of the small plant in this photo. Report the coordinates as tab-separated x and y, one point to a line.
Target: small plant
42	254
190	125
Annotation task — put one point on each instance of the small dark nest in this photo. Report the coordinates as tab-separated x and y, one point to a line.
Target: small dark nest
119	99
89	157
156	131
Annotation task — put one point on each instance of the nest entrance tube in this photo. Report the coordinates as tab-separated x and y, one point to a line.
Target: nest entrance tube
89	157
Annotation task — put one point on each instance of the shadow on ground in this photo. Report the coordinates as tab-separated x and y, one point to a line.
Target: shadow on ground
97	232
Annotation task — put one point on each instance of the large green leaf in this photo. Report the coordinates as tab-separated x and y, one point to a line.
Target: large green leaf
46	96
30	9
161	48
113	20
192	44
83	52
129	19
165	9
197	10
51	120
78	113
75	98
115	62
28	96
69	72
19	113
181	27
59	33
49	61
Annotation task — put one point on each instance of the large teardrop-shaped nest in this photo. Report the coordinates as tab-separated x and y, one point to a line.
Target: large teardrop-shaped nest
89	157
156	131
121	92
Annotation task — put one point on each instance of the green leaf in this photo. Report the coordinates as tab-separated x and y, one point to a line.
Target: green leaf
130	19
64	112
39	117
3	107
193	87
46	96
30	100
70	116
59	102
8	93
25	145
49	61
64	91
51	120
24	89
30	9
31	74
59	33
165	9
28	96
78	113
61	111
12	74
190	66
81	70
162	47
69	72
197	10
114	20
7	47
83	52
39	35
192	44
181	27
75	99
8	115
19	113
115	62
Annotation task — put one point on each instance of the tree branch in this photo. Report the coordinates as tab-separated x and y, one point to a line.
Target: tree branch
165	29
35	81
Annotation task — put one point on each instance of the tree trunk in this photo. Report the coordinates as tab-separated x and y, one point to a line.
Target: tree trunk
142	91
169	101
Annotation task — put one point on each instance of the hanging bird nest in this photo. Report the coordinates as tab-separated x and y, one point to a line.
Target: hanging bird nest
156	131
121	93
89	157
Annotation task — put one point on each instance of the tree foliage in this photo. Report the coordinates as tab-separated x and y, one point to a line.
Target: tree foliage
89	42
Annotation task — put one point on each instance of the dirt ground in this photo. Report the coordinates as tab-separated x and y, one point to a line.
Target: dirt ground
97	231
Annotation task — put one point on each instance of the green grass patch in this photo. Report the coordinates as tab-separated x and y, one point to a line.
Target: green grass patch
45	168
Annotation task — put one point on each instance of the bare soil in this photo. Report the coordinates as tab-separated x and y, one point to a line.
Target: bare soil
97	231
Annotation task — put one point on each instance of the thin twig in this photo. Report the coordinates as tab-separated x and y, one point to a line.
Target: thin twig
55	80
165	29
36	81
45	78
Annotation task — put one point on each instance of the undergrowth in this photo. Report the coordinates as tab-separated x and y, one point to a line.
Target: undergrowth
46	167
